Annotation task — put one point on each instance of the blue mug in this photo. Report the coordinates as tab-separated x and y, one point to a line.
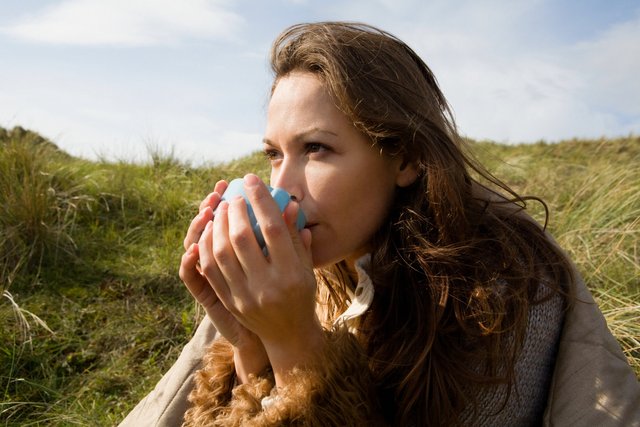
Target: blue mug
282	198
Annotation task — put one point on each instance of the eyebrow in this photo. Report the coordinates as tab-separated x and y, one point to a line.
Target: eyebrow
303	135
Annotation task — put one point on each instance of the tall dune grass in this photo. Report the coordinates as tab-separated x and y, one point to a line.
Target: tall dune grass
92	311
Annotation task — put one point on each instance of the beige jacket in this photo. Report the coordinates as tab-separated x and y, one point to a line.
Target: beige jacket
592	385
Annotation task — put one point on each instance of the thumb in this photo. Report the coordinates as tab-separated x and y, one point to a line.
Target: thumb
301	239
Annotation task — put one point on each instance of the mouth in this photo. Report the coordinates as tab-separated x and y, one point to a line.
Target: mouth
310	225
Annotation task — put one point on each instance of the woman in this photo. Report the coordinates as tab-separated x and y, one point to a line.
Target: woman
417	294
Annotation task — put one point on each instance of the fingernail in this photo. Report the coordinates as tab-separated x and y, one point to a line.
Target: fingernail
251	180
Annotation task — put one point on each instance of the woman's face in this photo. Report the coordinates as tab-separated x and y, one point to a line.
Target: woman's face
345	185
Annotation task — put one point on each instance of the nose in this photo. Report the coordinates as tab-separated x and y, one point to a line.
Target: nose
289	177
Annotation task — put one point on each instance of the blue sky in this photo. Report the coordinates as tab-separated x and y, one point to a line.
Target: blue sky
109	78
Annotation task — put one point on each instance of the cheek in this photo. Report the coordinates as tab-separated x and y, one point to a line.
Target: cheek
366	214
352	208
357	215
371	191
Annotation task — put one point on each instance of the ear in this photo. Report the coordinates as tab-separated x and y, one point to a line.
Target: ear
407	173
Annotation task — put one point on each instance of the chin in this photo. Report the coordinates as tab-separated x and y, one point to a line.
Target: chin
321	260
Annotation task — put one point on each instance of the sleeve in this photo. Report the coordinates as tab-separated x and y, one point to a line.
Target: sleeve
166	404
336	391
593	383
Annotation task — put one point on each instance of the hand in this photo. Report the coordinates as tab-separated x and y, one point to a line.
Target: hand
249	353
272	296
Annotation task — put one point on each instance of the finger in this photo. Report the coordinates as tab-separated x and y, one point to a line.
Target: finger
197	285
213	198
205	214
274	230
220	187
224	256
301	238
197	227
209	266
206	201
243	239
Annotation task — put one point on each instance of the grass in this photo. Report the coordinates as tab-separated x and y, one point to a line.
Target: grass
92	311
593	192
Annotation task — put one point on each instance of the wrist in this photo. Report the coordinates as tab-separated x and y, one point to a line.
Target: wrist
249	359
295	352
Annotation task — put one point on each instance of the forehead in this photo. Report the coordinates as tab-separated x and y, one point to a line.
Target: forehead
301	99
298	87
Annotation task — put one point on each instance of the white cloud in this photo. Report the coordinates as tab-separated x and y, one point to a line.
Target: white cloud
505	84
128	22
612	62
523	99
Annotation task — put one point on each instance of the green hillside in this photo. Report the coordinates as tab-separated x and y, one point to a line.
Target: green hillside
93	312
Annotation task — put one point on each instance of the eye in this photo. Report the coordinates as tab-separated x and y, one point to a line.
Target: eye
315	147
271	154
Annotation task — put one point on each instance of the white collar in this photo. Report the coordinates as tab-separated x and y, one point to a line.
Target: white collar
362	297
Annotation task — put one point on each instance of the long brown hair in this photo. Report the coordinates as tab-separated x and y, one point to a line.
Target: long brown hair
457	266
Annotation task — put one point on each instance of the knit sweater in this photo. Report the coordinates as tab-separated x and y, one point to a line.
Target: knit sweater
534	368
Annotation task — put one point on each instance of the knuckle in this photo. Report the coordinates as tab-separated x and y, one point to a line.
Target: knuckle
184	272
259	193
208	271
193	225
245	308
207	298
220	253
273	229
205	202
241	238
269	299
